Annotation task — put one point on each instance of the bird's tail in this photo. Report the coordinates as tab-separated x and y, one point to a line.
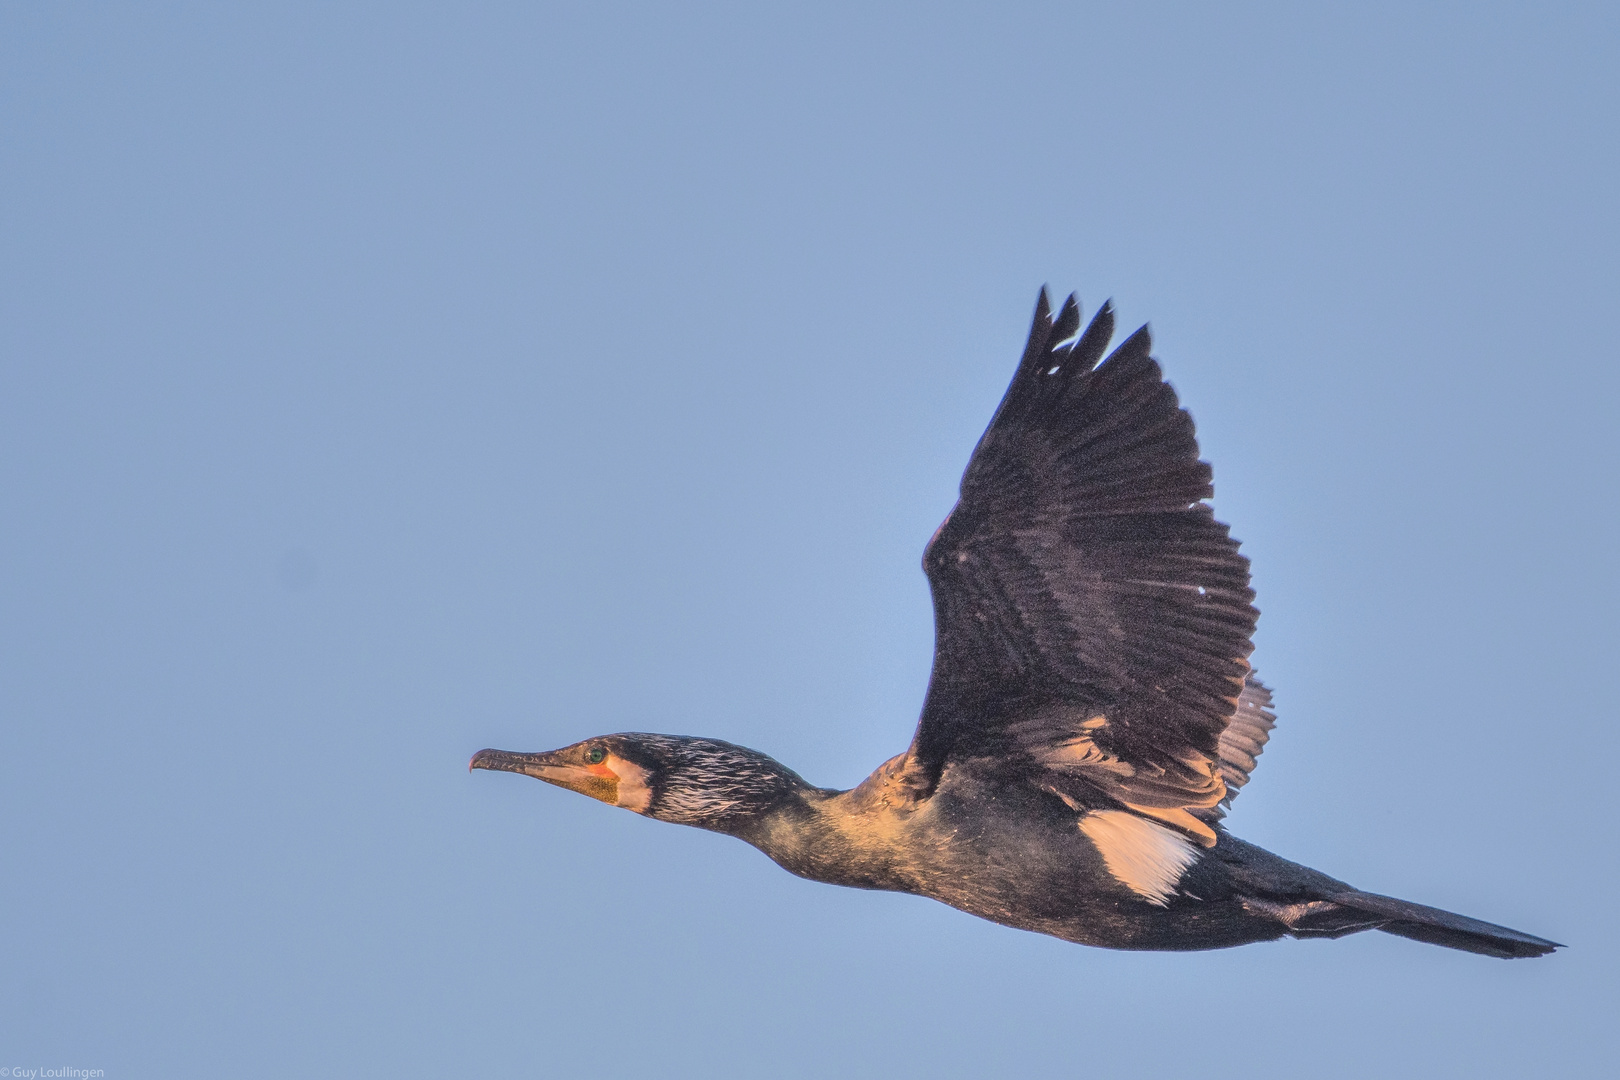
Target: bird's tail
1437	927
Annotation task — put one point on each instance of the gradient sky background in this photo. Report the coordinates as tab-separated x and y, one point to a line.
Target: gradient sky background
379	383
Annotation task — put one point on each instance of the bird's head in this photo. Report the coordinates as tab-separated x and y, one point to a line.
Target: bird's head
689	781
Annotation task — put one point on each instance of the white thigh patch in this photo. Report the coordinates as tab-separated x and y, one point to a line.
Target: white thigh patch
1146	858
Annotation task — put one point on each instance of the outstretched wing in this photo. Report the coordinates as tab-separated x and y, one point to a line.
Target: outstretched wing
1092	618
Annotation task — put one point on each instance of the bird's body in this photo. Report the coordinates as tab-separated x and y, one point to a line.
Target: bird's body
1017	856
1091	712
1005	853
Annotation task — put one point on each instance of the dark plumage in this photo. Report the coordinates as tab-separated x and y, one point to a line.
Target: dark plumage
1091	713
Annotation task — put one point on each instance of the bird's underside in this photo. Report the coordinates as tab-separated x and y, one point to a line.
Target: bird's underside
1091	712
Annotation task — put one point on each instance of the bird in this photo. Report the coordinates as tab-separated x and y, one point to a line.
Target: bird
1091	712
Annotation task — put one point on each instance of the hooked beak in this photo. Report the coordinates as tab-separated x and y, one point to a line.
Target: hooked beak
593	780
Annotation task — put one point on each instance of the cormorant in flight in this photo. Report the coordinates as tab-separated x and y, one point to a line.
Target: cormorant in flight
1091	712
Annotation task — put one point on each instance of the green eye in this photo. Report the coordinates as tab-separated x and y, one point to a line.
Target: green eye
595	755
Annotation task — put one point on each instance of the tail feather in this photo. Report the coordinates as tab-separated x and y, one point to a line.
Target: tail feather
1437	927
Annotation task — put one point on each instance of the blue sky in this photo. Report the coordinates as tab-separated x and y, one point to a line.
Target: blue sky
383	382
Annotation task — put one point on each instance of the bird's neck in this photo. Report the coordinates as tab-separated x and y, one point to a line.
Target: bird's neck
853	837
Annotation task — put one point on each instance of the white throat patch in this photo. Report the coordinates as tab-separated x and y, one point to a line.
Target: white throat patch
1148	859
634	791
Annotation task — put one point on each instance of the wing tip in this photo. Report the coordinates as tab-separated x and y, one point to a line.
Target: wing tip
1139	343
1067	323
1040	329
